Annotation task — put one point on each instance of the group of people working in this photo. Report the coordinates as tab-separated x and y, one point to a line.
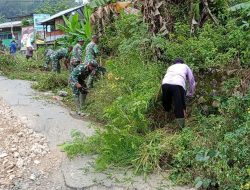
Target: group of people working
82	72
13	47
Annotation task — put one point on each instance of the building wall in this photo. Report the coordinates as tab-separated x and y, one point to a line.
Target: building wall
54	35
6	36
58	21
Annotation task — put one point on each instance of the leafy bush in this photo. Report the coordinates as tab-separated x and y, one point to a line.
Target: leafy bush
212	151
209	47
220	153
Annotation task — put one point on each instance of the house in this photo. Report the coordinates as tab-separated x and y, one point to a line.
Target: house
10	30
51	31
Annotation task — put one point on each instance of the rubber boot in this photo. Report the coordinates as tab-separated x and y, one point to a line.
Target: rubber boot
82	98
78	105
58	69
181	122
54	65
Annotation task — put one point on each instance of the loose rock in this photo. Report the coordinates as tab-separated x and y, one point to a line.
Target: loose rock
20	149
4	154
33	177
62	93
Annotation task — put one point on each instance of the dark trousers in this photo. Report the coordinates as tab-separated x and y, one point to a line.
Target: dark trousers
28	56
174	94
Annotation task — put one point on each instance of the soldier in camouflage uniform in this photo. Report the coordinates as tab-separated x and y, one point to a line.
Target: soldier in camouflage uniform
91	54
48	58
78	85
76	57
57	56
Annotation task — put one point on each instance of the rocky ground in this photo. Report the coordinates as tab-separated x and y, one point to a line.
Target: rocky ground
21	150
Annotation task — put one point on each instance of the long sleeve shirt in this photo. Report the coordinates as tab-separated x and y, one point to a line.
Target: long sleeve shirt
29	50
48	52
91	52
61	53
77	53
178	74
13	48
79	75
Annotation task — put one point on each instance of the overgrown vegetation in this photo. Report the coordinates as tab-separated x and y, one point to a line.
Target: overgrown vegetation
20	68
18	8
212	151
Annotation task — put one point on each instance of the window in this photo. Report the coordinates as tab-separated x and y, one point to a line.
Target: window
9	36
3	36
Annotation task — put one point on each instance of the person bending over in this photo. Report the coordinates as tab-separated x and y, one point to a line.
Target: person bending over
174	89
79	87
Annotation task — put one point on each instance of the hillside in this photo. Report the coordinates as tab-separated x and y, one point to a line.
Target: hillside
15	8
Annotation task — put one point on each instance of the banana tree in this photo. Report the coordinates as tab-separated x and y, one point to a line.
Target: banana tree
241	6
103	14
75	28
161	18
242	9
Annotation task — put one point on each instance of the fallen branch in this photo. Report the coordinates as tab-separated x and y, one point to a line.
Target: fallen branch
208	11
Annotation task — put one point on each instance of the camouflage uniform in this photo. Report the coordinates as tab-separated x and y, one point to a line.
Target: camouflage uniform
79	75
56	57
76	57
91	54
48	57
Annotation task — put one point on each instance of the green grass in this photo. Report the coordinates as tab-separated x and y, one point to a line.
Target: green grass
32	70
212	151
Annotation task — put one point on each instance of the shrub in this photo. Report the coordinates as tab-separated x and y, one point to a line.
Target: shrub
209	47
212	151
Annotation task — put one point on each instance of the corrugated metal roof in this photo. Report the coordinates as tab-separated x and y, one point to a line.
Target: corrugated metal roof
60	14
11	24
